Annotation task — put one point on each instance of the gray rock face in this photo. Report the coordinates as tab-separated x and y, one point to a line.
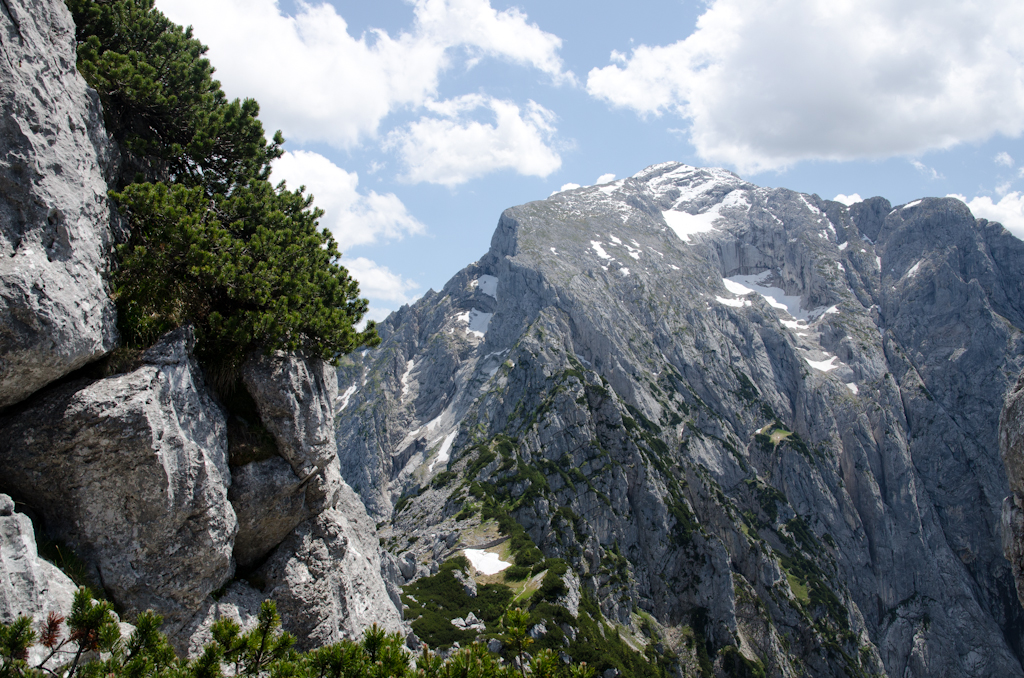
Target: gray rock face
325	578
29	585
571	600
295	397
325	570
766	416
131	472
269	501
1011	447
55	232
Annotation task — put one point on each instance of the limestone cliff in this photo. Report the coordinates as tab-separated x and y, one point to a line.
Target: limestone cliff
55	219
761	417
127	464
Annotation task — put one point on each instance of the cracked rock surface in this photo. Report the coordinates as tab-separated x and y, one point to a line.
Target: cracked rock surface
55	217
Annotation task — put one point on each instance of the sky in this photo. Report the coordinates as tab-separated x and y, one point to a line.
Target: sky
415	123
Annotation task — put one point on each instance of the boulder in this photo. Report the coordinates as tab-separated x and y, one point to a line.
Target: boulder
29	585
131	473
55	217
325	578
407	565
470	623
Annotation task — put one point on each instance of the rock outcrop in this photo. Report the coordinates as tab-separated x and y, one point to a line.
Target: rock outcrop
295	397
1011	447
29	585
131	473
55	219
326	577
304	536
762	415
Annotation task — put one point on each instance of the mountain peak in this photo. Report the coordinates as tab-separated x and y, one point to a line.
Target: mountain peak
736	393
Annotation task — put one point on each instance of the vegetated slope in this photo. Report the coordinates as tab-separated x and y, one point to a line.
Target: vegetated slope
766	420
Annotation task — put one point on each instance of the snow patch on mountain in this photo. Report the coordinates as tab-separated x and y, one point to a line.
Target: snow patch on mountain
776	297
488	284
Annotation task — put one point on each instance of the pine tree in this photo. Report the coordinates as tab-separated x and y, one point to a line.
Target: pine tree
212	243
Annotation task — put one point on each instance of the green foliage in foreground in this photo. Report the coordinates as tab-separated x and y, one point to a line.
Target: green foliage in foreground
211	242
263	652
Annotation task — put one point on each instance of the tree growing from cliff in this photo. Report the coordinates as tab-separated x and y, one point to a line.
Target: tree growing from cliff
211	241
171	119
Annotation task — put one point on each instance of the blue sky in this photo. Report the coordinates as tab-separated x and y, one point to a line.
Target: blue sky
415	123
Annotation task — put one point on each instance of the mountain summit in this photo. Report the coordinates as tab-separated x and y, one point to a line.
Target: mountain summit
764	421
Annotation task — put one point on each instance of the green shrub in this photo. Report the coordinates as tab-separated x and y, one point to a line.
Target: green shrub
434	601
517	573
172	121
552	587
250	270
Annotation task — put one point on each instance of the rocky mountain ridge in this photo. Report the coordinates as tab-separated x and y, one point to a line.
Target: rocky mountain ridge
737	410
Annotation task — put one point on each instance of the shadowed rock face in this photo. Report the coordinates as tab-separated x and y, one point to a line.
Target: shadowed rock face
1011	447
55	233
808	464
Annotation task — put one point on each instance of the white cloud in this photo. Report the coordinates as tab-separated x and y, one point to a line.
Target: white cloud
475	24
378	283
604	179
848	199
764	85
924	169
453	148
316	82
354	218
565	187
1009	211
1003	158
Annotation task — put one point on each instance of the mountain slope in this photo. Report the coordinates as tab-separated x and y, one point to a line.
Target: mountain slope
767	420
